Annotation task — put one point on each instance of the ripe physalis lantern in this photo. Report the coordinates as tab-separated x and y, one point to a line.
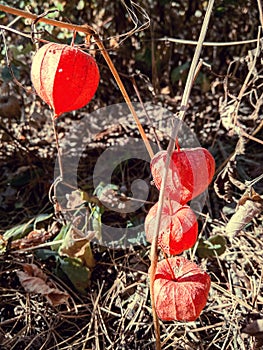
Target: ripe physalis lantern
190	172
180	289
178	227
65	77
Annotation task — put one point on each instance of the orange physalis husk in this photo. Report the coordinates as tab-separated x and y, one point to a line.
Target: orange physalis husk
181	289
65	77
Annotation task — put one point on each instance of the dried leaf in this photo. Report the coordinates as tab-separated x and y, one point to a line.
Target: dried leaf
33	239
75	199
76	245
109	196
225	180
34	271
228	177
3	244
34	280
114	42
249	206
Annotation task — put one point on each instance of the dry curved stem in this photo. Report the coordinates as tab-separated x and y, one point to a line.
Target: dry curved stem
138	26
246	82
207	43
17	12
89	31
170	148
124	93
251	137
146	113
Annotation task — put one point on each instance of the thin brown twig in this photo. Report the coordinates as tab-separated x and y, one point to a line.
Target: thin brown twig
246	82
155	80
15	31
251	137
79	28
145	112
124	93
176	127
9	65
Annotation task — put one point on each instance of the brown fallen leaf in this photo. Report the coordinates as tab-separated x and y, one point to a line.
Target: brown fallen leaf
34	280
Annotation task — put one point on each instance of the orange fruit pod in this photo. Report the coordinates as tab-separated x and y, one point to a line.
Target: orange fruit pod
65	77
181	289
178	227
190	172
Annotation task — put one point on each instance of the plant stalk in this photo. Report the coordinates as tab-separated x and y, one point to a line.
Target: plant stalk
170	148
124	93
21	13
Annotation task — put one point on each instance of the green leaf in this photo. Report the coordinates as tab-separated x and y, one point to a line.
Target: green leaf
41	218
214	246
19	231
61	235
78	274
6	74
179	72
22	230
44	254
60	6
145	57
97	212
73	269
